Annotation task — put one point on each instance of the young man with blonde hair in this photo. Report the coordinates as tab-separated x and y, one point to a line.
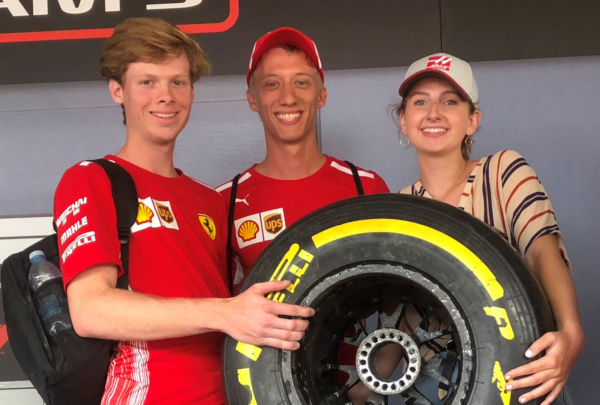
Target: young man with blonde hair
168	323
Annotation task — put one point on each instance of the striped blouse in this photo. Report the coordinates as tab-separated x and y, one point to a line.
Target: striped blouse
504	192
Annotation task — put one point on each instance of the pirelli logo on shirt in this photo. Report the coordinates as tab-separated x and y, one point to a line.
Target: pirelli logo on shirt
81	240
261	227
154	214
71	236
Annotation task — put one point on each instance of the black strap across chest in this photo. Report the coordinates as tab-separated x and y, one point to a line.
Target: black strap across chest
234	184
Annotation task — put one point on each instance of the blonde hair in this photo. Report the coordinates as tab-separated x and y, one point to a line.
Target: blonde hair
149	40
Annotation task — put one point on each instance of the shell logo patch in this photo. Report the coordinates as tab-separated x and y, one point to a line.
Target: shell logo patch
248	230
209	225
144	215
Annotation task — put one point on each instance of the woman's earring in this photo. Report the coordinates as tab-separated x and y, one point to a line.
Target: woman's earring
468	142
404	141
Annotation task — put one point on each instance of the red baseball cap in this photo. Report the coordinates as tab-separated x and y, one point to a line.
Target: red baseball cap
284	36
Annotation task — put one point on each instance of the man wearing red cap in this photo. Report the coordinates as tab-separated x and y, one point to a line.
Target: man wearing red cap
286	88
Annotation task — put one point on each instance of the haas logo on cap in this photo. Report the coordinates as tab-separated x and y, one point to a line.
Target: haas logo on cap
439	62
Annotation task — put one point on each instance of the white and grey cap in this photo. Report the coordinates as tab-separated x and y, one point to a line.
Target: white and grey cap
456	70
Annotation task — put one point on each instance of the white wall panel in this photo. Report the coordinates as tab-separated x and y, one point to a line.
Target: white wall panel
20	397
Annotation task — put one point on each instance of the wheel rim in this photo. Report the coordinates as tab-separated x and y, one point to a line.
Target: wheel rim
311	374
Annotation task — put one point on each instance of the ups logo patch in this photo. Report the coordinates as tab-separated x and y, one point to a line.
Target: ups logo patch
165	213
273	223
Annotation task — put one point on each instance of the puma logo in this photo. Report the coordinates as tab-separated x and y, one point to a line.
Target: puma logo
237	200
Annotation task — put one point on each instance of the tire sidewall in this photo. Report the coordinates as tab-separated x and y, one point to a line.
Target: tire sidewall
493	354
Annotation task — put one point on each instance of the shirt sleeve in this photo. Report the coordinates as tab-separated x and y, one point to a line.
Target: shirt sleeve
225	193
85	217
529	213
408	190
379	186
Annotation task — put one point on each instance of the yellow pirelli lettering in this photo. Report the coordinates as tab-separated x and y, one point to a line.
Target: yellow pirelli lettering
245	380
502	321
250	351
292	287
435	237
304	255
283	266
285	262
498	378
297	271
278	297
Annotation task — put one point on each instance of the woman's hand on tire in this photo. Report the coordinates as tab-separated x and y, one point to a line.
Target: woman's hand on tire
251	318
549	373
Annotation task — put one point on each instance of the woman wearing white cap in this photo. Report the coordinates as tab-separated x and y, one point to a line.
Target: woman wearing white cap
438	116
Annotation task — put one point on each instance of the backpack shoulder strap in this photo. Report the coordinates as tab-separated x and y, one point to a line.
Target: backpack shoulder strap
126	204
357	181
231	211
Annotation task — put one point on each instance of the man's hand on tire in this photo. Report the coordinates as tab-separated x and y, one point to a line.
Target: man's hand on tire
251	318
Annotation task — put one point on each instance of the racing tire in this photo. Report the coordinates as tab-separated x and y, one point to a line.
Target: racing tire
376	254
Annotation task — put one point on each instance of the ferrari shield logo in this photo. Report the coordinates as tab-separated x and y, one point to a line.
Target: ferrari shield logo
209	225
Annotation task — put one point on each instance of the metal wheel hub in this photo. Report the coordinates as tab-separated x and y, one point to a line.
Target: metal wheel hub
367	353
343	302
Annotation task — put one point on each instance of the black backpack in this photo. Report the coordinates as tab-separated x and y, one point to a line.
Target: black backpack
65	368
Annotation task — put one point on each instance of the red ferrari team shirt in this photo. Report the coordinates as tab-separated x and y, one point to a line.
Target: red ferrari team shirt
264	206
177	249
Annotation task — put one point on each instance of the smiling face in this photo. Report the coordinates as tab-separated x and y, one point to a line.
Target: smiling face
286	90
436	118
157	98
